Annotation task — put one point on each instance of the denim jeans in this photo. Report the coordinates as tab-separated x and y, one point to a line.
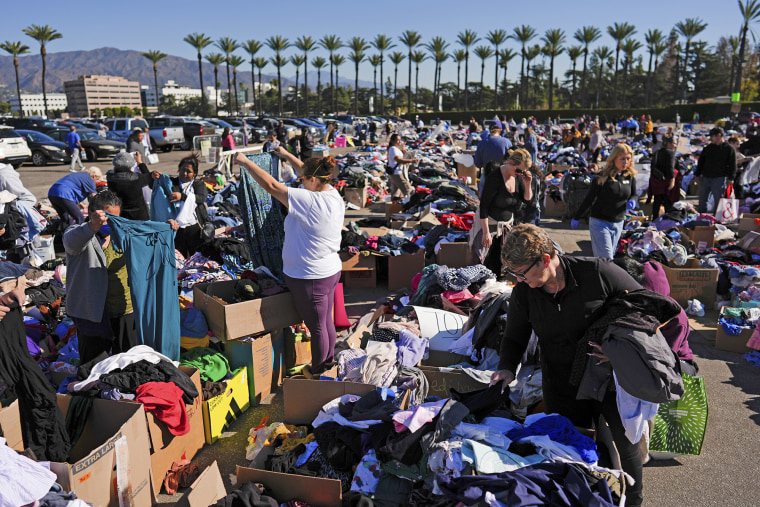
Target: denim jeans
604	237
707	186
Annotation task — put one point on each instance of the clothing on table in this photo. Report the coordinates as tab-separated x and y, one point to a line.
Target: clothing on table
264	224
122	360
414	418
132	376
488	459
24	480
211	364
149	249
164	399
367	474
42	423
559	429
379	368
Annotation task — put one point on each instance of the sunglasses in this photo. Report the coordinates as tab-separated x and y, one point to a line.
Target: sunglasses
521	276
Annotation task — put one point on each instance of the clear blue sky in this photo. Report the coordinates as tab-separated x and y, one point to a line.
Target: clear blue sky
162	24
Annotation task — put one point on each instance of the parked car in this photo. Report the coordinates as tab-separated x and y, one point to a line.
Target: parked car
13	148
166	132
29	123
749	117
220	125
321	127
115	136
258	132
95	147
194	128
44	148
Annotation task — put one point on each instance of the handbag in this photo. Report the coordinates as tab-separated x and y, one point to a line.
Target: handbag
727	211
679	426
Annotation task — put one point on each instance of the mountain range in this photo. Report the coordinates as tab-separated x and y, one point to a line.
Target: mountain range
68	65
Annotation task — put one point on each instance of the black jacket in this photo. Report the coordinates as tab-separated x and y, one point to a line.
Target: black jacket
608	201
128	186
717	161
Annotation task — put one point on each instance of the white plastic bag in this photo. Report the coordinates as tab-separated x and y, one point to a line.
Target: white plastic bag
186	214
153	158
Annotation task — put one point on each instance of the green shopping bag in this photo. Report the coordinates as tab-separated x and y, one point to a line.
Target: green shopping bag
679	426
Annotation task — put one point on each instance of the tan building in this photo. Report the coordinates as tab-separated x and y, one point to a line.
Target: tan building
90	92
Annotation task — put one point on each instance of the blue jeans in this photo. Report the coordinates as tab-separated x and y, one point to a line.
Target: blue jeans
604	237
707	186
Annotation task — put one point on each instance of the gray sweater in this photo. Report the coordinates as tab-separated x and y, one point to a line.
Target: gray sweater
86	273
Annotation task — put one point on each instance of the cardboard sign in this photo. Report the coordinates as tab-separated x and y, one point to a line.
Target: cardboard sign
220	411
442	328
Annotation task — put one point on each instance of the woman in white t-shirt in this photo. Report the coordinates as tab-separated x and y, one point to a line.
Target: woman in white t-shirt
310	251
399	178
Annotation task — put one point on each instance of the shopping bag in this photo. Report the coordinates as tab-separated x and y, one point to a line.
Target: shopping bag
153	158
679	426
727	211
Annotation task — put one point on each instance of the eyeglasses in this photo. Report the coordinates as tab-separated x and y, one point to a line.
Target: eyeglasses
521	276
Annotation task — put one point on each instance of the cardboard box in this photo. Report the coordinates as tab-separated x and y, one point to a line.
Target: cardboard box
359	271
468	172
220	411
167	448
236	320
304	398
257	356
10	426
703	236
454	255
441	380
392	207
91	472
315	491
278	359
207	489
747	224
553	208
691	282
296	352
357	196
402	268
738	343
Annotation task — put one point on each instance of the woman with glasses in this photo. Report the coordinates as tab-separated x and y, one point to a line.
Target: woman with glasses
310	251
558	298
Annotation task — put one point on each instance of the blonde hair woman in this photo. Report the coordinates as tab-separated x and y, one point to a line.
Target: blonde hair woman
611	195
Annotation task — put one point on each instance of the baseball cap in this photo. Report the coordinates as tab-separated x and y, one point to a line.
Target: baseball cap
137	129
716	131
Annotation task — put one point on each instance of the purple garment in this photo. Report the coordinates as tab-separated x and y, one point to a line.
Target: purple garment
34	349
115	394
415	418
663	224
676	331
410	348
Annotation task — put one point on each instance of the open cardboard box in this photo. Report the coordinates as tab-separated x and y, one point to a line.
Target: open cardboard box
747	224
91	472
691	281
356	196
258	357
10	426
207	489
315	491
703	236
455	255
359	271
735	343
236	320
402	268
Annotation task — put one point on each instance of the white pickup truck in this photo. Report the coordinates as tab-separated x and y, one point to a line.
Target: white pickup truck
165	133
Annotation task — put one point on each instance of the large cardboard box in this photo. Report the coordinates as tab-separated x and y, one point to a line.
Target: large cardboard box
314	491
465	172
220	411
359	271
747	224
703	236
304	398
455	255
167	448
553	208
392	207
356	196
10	426
441	380
236	320
207	489
691	281
92	470
258	357
737	343
402	268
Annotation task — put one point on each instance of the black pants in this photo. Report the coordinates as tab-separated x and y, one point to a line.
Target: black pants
120	336
660	200
68	211
586	414
42	422
188	240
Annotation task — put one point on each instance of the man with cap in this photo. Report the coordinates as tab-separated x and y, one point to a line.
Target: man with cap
135	144
716	166
490	151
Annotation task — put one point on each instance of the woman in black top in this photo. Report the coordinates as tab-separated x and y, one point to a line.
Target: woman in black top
558	299
663	176
612	193
505	192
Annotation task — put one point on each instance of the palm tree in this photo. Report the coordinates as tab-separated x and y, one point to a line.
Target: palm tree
458	55
629	46
574	52
155	56
216	60
338	60
358	46
586	36
331	43
319	63
750	12
261	62
506	55
688	30
278	44
305	44
297	60
228	46
467	39
437	48
45	33
553	40
418	57
619	32
653	39
410	39
530	55
396	57
252	47
497	38
374	60
484	53
382	43
523	34
236	61
733	44
603	53
199	41
15	49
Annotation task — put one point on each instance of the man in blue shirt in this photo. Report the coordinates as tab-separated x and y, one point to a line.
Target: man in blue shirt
74	143
490	152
